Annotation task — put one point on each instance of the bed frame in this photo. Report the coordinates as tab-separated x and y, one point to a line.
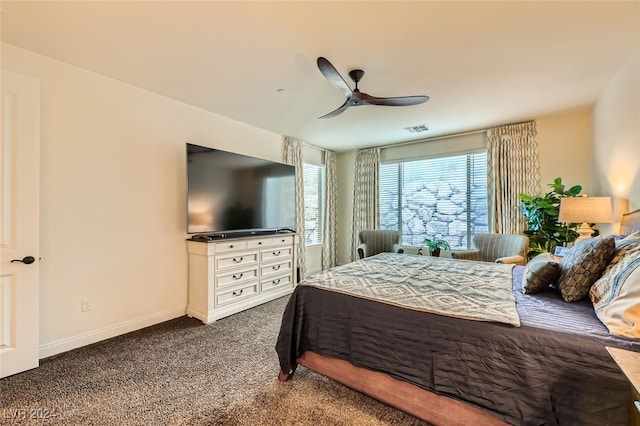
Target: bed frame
630	222
425	405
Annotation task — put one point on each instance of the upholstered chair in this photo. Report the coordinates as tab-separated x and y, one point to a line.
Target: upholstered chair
499	248
374	241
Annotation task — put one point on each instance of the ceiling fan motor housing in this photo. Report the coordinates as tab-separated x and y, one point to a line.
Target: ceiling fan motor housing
356	75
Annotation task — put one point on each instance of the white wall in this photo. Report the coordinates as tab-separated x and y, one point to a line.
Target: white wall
564	141
113	198
616	141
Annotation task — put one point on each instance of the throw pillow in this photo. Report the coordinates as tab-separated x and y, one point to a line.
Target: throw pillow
541	271
582	266
623	245
616	296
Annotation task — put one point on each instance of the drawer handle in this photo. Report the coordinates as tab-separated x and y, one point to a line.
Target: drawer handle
231	246
276	282
282	240
259	243
276	253
236	260
237	277
275	268
238	293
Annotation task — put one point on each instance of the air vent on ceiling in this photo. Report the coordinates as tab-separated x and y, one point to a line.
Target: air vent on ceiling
417	129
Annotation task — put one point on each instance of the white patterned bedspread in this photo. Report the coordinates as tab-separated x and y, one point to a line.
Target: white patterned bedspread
480	291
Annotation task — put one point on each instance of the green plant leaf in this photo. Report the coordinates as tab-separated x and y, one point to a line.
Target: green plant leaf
541	213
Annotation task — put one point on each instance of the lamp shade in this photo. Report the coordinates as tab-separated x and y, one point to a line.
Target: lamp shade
586	210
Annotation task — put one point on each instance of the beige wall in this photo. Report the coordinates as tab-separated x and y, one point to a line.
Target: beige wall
616	141
344	164
113	198
564	145
564	141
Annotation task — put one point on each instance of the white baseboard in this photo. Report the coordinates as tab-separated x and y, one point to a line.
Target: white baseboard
53	348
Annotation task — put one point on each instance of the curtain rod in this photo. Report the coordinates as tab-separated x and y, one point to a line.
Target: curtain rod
436	138
307	144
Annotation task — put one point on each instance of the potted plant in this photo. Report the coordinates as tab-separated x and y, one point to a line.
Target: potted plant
435	245
541	213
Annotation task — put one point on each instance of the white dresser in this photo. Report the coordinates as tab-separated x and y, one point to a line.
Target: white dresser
230	275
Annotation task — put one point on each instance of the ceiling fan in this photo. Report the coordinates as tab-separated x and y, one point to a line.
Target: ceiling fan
355	97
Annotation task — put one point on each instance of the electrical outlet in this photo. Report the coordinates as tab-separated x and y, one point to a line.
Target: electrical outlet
86	305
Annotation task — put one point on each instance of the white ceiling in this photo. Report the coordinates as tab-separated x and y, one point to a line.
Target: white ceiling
482	63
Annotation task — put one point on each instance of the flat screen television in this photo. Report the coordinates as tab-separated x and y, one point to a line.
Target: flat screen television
233	193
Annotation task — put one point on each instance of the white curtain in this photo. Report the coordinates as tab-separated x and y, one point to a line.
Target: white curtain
365	195
513	168
293	156
329	247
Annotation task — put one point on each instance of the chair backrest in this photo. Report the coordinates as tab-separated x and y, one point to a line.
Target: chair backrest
379	240
495	246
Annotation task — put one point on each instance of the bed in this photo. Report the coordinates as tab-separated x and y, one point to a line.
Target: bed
551	369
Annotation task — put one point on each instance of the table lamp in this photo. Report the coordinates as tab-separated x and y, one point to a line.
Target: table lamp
585	210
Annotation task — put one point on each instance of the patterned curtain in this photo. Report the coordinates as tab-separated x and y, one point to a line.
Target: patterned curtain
513	168
293	155
365	195
329	248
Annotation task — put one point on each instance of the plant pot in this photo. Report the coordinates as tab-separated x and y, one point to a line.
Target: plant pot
436	252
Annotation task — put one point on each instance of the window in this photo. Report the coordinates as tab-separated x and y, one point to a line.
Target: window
443	197
313	203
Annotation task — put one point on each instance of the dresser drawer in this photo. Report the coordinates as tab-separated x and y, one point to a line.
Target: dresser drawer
259	242
286	240
276	268
233	260
232	245
276	253
236	277
276	282
239	293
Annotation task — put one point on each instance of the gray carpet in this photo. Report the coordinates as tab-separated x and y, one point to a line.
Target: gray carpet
182	372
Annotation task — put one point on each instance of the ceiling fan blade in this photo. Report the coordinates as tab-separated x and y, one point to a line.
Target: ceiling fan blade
397	101
331	74
337	111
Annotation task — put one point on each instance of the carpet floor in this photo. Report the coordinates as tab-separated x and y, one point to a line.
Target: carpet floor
182	372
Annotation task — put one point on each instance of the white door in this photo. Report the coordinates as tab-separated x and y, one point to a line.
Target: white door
19	222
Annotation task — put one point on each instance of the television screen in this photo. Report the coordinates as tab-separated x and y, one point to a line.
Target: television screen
233	192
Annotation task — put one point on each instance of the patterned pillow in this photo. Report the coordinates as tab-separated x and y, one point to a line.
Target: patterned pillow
623	245
616	296
541	271
582	266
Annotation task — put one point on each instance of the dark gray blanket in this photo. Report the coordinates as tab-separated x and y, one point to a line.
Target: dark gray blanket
553	370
